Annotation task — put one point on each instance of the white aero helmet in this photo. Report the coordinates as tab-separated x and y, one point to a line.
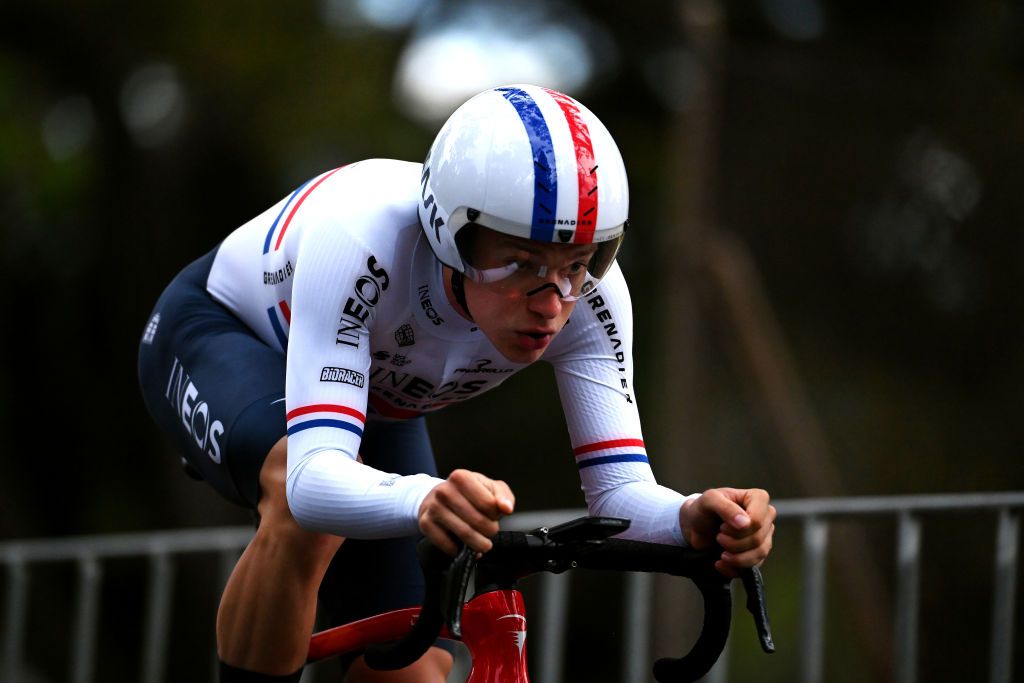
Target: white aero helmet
529	162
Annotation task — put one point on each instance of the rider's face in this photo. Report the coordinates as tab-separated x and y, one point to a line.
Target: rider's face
521	316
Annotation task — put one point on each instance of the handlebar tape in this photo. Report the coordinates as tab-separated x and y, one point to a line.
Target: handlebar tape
710	643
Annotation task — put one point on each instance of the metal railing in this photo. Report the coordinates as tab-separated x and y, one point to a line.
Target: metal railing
89	553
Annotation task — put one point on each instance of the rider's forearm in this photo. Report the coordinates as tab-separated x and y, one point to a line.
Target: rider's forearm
331	493
653	509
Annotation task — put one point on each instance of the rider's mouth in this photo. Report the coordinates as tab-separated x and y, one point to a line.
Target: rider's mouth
535	339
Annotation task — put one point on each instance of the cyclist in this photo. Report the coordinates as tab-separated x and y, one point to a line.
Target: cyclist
293	366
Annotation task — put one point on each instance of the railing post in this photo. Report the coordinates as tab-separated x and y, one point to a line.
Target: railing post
637	643
908	571
1004	597
812	620
17	611
553	612
720	671
87	612
158	613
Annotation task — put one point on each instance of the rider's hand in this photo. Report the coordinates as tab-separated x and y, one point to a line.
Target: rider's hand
742	521
468	506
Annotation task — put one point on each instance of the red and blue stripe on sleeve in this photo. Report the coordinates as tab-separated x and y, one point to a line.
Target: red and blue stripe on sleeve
609	452
326	415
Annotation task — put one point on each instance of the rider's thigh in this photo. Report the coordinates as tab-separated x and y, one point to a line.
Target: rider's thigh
212	385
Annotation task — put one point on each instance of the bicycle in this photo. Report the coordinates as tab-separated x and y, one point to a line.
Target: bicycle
492	624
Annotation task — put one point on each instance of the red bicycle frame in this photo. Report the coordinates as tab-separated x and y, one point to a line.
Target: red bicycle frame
494	630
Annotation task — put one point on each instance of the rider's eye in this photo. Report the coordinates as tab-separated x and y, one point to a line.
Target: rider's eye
521	264
574	269
519	259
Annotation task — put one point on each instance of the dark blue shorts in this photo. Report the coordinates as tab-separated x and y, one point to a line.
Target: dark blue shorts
217	392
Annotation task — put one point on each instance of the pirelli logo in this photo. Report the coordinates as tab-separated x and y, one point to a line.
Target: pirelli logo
343	375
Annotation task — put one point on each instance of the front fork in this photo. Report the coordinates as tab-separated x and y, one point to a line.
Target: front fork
494	628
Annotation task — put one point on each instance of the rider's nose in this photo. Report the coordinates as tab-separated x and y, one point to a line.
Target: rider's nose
546	300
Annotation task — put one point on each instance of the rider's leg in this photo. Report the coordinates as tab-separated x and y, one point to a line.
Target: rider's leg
268	608
217	392
267	611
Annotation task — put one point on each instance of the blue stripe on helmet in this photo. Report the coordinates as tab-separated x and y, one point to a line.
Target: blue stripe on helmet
545	188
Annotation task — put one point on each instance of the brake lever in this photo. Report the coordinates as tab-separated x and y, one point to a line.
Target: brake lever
454	591
757	605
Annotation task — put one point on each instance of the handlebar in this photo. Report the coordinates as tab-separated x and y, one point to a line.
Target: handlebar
582	543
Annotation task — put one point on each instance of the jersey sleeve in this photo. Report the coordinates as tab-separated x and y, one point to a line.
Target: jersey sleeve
339	281
595	383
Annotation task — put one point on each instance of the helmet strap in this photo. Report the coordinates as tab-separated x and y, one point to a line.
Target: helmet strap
459	291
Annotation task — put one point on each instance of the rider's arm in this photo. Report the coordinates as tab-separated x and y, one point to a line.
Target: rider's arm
328	490
595	380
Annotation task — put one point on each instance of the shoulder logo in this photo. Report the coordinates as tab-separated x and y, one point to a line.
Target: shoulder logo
604	317
276	277
366	293
404	335
428	306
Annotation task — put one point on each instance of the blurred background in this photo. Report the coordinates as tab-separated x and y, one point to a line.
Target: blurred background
825	229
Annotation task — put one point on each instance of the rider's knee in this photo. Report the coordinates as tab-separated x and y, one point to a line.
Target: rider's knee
276	521
273	475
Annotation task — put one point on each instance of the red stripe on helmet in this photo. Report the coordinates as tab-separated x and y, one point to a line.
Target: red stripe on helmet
586	168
